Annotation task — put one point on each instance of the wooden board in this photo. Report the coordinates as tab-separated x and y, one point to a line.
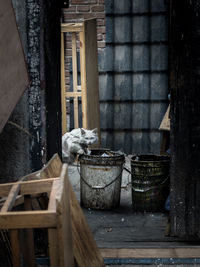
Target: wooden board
165	124
13	71
92	78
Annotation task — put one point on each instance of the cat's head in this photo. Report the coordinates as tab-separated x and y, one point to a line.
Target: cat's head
90	136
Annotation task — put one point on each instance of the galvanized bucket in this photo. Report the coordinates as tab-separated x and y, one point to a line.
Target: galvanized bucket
150	182
100	176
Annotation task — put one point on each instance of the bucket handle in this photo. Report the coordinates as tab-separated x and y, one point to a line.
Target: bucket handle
98	186
150	188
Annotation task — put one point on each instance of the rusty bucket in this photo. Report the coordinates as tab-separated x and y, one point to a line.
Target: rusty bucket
100	176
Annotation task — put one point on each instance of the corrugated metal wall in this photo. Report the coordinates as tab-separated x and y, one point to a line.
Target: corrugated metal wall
134	75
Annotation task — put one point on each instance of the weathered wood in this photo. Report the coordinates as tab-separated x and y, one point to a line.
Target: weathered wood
28	187
75	79
27	219
92	78
52	168
85	248
71	27
13	72
64	228
56	187
53	247
151	253
73	94
14	238
185	122
11	198
29	248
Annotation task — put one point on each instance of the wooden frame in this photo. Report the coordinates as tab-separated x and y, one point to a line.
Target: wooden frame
69	235
88	90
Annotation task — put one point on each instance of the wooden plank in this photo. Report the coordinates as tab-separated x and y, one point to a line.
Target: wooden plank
64	228
73	94
53	247
52	168
63	89
14	239
83	79
71	27
27	219
29	187
11	198
151	252
13	72
165	123
29	248
86	252
92	79
56	187
75	79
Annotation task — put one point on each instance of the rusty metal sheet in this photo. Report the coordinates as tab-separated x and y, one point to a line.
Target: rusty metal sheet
13	72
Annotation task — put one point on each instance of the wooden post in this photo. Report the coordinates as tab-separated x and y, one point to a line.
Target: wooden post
63	99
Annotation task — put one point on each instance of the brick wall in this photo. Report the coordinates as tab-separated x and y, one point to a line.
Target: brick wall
77	11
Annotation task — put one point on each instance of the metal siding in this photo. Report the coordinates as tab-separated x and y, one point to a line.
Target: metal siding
133	80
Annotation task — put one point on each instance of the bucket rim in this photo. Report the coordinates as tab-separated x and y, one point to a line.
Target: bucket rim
152	158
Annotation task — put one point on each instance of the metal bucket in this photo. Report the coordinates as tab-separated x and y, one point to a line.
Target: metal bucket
150	182
101	176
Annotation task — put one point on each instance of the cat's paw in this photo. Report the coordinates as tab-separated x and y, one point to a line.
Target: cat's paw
80	152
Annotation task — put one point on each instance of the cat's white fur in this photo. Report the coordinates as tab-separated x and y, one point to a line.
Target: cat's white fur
76	143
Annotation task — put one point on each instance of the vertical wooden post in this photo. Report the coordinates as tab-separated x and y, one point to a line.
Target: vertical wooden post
29	248
14	238
63	99
75	77
53	247
83	79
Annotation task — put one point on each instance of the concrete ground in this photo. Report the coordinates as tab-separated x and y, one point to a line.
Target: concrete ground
123	228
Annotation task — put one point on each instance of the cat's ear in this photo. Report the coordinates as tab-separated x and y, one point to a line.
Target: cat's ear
82	131
95	130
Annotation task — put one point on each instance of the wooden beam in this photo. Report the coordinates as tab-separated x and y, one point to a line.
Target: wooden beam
71	27
11	198
75	79
73	94
14	239
28	187
151	252
53	247
54	191
27	219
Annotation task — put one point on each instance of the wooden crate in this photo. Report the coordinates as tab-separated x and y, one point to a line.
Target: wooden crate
69	237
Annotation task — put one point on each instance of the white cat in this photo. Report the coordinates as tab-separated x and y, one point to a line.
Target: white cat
76	143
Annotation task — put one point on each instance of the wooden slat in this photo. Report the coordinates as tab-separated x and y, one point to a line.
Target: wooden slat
151	253
11	198
75	79
63	89
54	191
91	76
66	256
86	252
83	79
27	219
28	187
14	238
71	27
73	94
52	168
53	247
29	248
13	72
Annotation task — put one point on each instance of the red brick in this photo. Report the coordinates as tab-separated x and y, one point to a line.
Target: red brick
100	15
68	52
98	8
72	16
100	22
101	29
83	8
70	9
101	44
101	2
99	37
88	16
